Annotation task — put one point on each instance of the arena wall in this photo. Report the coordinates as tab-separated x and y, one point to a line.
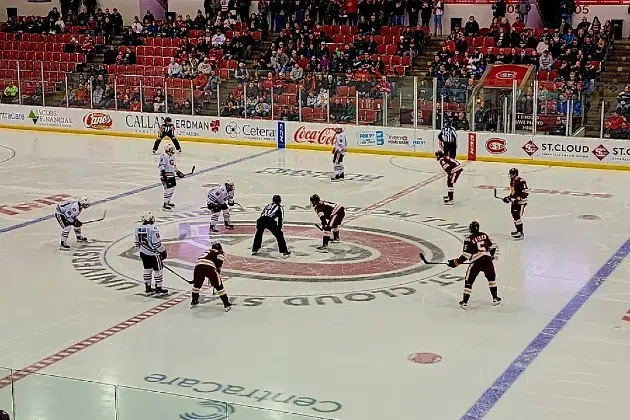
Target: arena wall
491	147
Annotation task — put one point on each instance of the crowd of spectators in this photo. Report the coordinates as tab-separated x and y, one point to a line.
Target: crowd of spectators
567	59
616	126
89	20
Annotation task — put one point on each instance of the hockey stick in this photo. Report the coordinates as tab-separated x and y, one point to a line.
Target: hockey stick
172	271
424	260
100	219
497	196
192	171
319	227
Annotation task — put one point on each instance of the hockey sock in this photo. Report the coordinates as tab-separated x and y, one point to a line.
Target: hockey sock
450	195
168	194
64	235
77	231
336	234
467	292
326	240
226	217
519	228
146	276
157	275
222	294
493	289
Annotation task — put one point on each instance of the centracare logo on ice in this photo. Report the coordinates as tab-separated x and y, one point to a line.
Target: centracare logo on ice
97	121
324	136
250	132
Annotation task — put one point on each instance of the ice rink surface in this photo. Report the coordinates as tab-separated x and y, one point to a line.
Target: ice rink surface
364	332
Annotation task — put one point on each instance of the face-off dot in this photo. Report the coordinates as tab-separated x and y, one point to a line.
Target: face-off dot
425	358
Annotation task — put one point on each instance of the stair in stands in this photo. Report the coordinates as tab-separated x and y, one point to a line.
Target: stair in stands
614	76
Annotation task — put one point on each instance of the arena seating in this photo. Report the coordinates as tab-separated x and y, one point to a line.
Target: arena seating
35	52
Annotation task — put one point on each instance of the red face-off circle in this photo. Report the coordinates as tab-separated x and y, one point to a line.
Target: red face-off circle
383	254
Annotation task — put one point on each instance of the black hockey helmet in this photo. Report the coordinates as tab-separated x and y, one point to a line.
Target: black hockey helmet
4	415
473	227
439	154
314	199
168	120
276	199
217	247
513	173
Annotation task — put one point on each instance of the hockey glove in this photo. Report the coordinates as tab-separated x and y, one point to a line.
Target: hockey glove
452	263
493	251
77	224
163	255
223	207
231	204
507	199
179	174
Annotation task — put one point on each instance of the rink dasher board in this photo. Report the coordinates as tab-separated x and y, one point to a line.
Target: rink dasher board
395	141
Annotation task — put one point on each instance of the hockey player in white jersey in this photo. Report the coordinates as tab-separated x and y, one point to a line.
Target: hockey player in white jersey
67	214
219	198
168	171
339	152
152	253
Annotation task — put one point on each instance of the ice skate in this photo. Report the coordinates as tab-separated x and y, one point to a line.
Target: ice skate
160	291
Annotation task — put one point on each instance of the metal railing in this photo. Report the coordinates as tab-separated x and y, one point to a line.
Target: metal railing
397	101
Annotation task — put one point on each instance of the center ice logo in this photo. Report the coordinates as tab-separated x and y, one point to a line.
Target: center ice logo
364	253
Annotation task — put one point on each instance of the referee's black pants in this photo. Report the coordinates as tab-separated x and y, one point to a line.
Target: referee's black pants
450	149
263	223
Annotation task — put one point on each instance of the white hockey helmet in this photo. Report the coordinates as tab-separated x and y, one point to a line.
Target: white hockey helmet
84	202
169	148
147	217
229	184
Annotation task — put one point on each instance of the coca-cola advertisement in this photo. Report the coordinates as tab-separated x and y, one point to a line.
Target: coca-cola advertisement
314	135
359	138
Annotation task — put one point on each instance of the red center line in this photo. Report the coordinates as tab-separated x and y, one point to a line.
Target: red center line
90	341
97	338
396	196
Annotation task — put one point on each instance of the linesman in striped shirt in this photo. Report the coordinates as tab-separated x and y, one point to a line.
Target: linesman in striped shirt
448	140
271	218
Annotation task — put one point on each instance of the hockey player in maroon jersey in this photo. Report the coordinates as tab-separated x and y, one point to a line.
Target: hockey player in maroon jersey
331	215
478	248
518	199
209	266
453	170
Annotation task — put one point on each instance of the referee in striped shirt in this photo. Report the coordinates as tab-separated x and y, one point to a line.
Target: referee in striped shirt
271	218
448	140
